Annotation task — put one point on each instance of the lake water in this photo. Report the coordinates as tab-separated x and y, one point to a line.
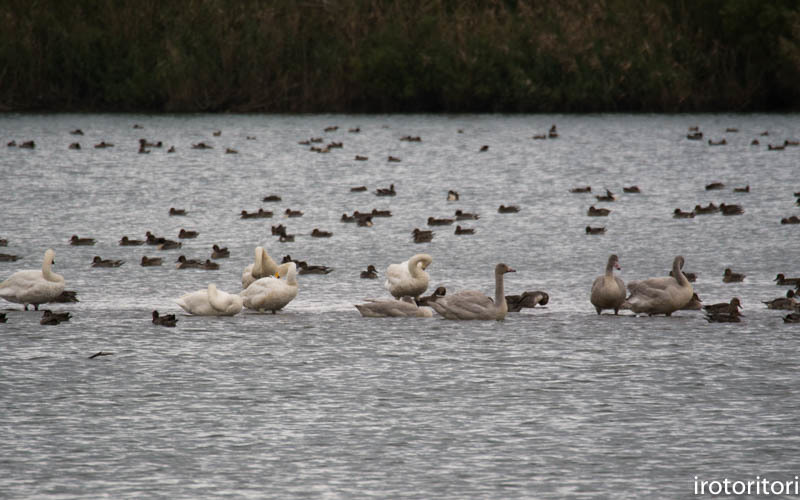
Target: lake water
318	402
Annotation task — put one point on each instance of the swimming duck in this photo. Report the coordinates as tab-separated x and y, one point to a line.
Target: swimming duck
745	189
103	144
791	220
150	261
76	241
370	273
508	209
127	242
597	212
730	209
77	131
386	191
51	318
695	304
7	257
261	214
348	218
708	209
595	230
714	185
692	277
166	320
364	221
271	197
393	159
527	299
721	317
201	145
631	189
317	233
461	215
484	148
452	195
177	211
432	221
65	297
732	277
731	307
552	133
680	214
152	239
609	196
187	234
75	145
787	303
381	213
720	142
97	261
421	236
304	268
293	213
169	245
782	280
218	252
582	189
358	189
361	158
464	230
184	263
792	318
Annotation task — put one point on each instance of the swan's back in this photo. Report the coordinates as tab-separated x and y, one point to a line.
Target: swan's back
469	304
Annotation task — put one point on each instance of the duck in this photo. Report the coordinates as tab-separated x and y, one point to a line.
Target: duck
386	192
260	214
721	317
201	145
787	303
782	280
692	277
597	212
278	230
511	209
262	266
731	307
169	245
371	273
177	211
103	144
680	214
150	261
790	220
730	209
792	318
184	263
358	189
409	277
218	252
286	238
463	230
608	290
484	148
552	133
461	215
77	131
421	236
272	293
432	221
403	308
438	293
361	158
74	145
364	220
660	295
695	304
66	297
34	287
166	320
7	257
609	196
708	209
3	242
318	233
271	197
3	318
720	142
745	189
732	277
631	189
305	268
51	318
293	213
127	242
76	241
211	302
527	299
208	265
595	230
453	195
474	305
183	233
714	185
152	239
98	261
348	218
581	189
381	213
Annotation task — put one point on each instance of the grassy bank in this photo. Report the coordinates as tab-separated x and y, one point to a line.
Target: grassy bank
393	55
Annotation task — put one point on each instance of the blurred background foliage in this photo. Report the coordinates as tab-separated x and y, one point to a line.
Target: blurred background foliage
400	56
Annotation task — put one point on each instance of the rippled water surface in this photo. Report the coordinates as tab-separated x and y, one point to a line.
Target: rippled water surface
318	402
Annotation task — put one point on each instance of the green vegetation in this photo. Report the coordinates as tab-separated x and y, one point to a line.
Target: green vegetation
400	55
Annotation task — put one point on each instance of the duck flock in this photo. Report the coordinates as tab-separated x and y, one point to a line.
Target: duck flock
269	286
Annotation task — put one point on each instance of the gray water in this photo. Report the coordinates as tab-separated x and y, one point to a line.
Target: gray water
318	402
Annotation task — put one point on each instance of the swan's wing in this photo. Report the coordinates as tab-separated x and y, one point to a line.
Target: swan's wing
653	283
391	308
469	304
396	274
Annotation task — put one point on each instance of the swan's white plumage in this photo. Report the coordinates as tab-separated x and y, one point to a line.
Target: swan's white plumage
34	286
271	293
408	279
262	267
405	308
210	302
663	295
608	291
472	304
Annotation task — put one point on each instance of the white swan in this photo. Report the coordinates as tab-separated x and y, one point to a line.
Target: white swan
409	278
210	302
271	293
34	286
608	291
403	308
660	295
262	267
472	304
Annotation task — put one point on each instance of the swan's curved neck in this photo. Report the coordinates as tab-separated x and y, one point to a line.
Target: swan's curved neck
414	266
258	265
291	275
47	269
610	269
214	298
679	276
499	292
